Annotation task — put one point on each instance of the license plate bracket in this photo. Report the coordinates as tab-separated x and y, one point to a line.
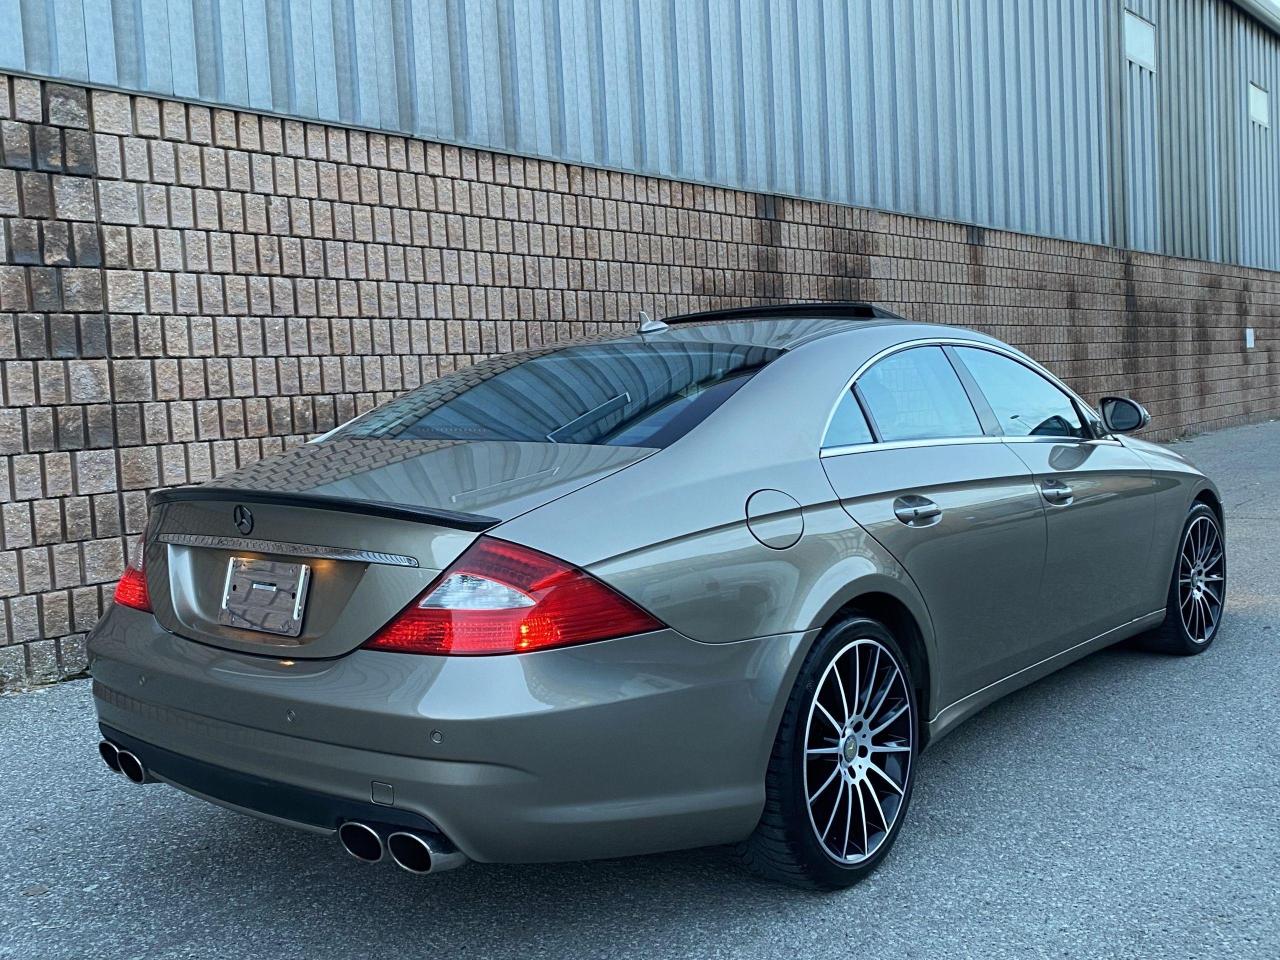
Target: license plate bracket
267	596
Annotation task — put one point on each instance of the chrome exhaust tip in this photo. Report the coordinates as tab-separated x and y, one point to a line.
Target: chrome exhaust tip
110	754
410	852
419	853
361	841
131	767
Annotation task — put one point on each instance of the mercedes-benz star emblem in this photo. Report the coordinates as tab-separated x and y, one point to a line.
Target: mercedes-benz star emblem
242	518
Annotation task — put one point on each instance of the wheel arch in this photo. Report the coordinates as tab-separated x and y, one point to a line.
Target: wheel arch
906	627
1209	497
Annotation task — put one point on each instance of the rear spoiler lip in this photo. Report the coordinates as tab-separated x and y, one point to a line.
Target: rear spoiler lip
374	508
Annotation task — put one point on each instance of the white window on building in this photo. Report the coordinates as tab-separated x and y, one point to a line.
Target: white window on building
1140	40
1259	105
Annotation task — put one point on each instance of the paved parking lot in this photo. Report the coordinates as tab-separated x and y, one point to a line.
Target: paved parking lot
1128	806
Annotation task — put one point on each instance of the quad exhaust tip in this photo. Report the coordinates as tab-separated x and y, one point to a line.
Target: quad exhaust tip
361	841
418	853
423	853
123	762
110	754
415	852
132	767
410	852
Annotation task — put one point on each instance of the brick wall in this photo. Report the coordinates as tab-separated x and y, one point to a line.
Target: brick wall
185	290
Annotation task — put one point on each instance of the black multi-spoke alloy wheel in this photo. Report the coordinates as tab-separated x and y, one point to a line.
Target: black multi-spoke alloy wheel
839	779
1198	589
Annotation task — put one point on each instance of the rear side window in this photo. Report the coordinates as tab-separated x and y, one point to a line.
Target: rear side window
633	394
916	395
1024	402
848	425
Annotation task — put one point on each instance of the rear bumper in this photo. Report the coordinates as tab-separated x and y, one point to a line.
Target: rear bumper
630	746
267	799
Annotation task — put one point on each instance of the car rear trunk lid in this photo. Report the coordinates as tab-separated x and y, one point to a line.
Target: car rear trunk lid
307	554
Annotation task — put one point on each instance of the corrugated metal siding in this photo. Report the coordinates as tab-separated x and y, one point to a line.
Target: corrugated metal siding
1219	171
1256	166
1190	212
1025	116
1140	126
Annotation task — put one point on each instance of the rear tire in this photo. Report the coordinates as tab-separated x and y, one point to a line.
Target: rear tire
1197	589
843	764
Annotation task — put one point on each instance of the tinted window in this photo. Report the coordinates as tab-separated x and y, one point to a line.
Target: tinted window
916	395
1024	402
848	425
619	394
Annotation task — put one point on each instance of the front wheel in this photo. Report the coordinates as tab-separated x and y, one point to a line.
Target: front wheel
843	764
1198	589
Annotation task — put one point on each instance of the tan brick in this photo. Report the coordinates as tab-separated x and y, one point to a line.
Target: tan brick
95	471
89	381
112	112
103	560
72	656
139	468
73	198
10	583
24	619
146	111
27	103
173	119
118	202
126	291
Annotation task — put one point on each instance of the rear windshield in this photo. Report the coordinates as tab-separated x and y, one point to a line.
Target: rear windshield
617	394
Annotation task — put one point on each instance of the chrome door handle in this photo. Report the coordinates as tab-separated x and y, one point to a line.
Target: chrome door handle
1056	492
916	511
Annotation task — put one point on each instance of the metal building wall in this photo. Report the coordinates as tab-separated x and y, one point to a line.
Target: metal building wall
1189	212
1218	177
1253	158
1008	113
1139	123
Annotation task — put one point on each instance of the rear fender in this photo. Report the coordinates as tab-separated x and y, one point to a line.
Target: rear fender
886	579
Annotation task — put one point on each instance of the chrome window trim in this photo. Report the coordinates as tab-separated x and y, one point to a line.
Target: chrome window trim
1110	441
1090	413
309	550
905	444
955	442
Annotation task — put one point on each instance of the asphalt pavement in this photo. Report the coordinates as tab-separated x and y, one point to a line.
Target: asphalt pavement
1128	806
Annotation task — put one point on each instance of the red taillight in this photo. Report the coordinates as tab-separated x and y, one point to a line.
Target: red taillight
131	590
500	597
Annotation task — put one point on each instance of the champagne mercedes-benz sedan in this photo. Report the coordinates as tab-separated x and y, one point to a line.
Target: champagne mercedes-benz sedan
716	582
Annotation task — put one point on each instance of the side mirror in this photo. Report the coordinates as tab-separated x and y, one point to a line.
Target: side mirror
1122	415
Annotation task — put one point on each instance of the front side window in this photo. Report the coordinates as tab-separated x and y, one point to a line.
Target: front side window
1024	402
632	394
916	395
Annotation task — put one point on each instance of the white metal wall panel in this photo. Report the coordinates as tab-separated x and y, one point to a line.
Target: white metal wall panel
1018	115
